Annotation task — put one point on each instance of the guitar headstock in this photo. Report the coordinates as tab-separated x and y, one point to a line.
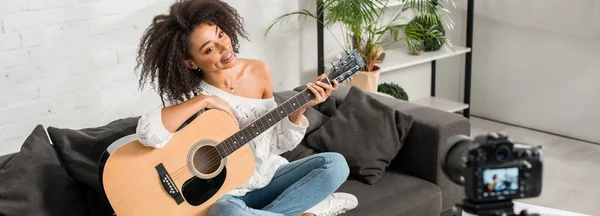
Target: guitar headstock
346	67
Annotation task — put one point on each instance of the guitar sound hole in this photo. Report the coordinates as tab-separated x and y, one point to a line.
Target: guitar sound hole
206	159
206	162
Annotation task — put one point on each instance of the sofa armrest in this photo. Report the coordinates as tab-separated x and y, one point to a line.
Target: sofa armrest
426	147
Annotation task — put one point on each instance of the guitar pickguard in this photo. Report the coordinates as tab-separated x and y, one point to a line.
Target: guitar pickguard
197	191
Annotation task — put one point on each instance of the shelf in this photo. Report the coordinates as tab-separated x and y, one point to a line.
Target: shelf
441	104
393	3
399	58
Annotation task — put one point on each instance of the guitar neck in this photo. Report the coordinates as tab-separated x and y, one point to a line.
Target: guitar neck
344	69
263	123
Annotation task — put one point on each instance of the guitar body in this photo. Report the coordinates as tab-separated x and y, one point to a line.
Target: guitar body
184	178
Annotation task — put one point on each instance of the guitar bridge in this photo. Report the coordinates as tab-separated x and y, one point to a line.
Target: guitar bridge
168	184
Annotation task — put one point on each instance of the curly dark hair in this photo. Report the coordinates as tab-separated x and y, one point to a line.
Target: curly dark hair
164	47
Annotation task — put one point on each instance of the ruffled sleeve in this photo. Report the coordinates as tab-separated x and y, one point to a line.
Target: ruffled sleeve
287	135
150	130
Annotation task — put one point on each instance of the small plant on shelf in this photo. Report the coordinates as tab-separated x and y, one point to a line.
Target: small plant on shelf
394	90
432	34
426	31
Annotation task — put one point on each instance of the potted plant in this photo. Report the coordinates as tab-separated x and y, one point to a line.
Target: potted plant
393	90
425	32
363	28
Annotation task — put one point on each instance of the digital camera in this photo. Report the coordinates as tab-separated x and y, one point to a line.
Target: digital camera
493	168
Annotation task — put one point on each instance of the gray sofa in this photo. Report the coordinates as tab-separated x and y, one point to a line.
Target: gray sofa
56	171
413	184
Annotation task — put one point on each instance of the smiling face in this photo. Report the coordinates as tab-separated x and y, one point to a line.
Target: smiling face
210	49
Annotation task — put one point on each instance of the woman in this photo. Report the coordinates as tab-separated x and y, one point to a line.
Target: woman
188	55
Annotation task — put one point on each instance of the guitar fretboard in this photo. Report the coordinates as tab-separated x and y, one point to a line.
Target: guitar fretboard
263	123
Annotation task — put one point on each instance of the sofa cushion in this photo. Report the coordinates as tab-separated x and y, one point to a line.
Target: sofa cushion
394	194
82	149
34	181
367	132
4	159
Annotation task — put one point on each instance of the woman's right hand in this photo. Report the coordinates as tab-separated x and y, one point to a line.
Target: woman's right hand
216	103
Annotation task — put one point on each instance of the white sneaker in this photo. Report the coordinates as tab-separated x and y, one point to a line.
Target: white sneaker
335	204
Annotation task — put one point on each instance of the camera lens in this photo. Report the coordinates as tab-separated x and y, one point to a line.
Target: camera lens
502	153
454	163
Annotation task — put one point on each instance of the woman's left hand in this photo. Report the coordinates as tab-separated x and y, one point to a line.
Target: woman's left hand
321	90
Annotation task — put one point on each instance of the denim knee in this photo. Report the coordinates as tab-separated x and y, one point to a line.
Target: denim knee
337	166
225	206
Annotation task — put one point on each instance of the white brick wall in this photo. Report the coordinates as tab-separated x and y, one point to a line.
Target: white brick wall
10	41
11	6
69	63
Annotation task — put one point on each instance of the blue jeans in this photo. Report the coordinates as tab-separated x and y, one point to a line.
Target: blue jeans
295	188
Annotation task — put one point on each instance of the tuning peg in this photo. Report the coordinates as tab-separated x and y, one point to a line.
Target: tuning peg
331	62
350	78
339	56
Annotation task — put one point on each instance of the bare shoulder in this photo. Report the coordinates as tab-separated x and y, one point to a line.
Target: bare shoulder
259	70
254	67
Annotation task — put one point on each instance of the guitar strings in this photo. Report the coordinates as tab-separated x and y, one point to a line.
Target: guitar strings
214	157
181	171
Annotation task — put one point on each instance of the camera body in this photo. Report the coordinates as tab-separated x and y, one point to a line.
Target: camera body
494	168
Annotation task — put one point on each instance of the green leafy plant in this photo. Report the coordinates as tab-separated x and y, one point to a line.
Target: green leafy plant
426	31
363	24
422	35
394	90
413	37
433	35
433	11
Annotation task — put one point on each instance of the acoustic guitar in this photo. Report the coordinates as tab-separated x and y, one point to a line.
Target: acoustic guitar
201	162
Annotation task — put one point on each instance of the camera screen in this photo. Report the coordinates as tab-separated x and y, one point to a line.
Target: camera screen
500	182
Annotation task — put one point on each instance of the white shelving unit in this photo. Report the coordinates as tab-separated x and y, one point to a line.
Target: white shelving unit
399	58
441	104
393	3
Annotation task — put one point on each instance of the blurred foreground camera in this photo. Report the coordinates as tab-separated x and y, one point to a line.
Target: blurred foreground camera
494	170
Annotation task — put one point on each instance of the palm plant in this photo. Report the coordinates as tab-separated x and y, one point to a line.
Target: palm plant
364	27
362	23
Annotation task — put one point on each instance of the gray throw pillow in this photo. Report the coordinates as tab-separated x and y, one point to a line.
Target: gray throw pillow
82	149
367	132
34	181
